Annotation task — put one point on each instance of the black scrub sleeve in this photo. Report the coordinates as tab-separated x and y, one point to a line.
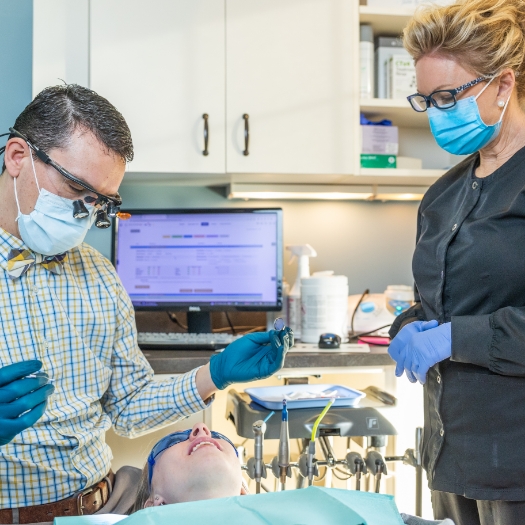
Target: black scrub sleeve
495	341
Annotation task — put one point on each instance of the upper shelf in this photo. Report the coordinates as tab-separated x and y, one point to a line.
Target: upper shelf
385	20
396	110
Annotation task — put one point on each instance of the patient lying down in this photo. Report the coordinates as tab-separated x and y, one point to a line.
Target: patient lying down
191	465
199	464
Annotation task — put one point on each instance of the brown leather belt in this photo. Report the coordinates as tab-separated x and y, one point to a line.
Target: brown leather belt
87	501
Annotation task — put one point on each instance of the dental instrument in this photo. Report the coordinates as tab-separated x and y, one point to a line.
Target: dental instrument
279	324
259	428
310	463
284	449
376	467
356	467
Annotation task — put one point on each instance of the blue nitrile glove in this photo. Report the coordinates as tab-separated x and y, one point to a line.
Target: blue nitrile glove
425	349
22	400
254	356
397	348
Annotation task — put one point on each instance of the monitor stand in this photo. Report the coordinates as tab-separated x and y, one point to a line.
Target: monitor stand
199	322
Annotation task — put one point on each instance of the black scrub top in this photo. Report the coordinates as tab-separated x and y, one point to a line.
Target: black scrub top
469	268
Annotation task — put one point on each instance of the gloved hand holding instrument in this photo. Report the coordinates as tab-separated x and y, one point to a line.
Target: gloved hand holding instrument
22	399
254	356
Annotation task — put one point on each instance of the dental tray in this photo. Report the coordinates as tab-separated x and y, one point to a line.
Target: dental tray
304	396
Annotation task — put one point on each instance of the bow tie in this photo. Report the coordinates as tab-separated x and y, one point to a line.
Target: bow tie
19	262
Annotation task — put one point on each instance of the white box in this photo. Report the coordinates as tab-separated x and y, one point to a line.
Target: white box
409	163
401	77
380	140
386	46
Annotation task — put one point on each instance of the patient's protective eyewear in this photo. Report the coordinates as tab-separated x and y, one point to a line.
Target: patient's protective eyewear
173	439
105	204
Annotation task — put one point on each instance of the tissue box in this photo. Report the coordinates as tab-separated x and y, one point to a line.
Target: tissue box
378	161
381	140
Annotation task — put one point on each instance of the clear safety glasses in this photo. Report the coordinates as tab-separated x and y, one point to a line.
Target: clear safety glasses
173	439
441	98
105	204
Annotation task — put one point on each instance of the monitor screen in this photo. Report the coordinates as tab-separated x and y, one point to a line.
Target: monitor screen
207	259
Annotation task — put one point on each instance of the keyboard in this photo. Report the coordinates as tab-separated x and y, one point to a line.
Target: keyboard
184	341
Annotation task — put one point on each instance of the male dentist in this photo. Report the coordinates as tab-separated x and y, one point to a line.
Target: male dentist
62	303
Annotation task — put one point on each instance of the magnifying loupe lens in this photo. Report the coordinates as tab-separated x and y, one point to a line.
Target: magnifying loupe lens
278	324
102	220
79	210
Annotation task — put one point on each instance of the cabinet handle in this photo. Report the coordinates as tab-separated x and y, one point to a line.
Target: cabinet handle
206	134
246	134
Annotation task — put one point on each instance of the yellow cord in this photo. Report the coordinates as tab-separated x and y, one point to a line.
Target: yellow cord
319	419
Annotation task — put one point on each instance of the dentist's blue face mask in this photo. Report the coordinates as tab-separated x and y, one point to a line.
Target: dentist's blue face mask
51	228
460	130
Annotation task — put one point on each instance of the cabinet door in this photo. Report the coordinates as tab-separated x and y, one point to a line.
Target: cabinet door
161	62
292	67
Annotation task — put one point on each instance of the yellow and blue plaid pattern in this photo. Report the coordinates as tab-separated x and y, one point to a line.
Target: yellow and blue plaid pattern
81	325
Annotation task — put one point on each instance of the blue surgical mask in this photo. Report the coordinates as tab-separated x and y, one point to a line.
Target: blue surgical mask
461	130
50	228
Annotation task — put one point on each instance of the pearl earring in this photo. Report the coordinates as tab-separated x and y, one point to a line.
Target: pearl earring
501	103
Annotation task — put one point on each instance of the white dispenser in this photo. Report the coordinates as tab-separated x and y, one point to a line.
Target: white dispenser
366	60
324	302
302	252
377	311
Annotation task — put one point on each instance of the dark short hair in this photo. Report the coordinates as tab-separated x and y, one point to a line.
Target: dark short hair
54	114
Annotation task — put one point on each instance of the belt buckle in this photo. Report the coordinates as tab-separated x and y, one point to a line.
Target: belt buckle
80	495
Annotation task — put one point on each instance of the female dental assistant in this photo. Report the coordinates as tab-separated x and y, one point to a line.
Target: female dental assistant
465	336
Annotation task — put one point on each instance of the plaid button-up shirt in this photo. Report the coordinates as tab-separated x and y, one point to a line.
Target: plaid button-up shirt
81	325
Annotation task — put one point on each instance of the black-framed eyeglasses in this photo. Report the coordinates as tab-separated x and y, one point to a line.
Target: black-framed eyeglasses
441	98
106	205
175	438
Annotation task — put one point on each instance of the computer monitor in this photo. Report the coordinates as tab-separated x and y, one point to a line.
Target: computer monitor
201	260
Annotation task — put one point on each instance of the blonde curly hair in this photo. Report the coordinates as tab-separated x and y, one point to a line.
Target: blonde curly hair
484	36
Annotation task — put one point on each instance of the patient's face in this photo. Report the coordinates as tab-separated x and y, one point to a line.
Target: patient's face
200	468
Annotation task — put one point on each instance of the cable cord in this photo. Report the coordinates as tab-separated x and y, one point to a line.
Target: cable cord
342	472
230	323
174	319
352	334
366	292
234	329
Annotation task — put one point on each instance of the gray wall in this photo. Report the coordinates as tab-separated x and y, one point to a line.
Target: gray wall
16	56
370	242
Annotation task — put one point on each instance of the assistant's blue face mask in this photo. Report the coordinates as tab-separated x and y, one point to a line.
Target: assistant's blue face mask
460	130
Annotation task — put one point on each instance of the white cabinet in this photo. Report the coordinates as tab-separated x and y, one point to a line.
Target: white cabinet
286	64
60	43
292	68
162	64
